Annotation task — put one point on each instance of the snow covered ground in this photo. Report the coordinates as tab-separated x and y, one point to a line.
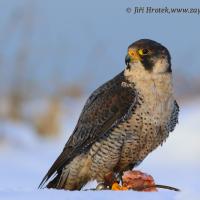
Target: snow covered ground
25	158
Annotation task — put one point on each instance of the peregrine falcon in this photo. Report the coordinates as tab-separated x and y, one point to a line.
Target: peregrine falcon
122	121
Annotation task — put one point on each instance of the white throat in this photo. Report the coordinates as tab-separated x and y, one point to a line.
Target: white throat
157	88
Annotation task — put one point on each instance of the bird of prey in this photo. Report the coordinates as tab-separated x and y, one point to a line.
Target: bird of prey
121	123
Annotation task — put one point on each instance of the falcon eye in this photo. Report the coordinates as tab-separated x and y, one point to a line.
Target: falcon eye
143	51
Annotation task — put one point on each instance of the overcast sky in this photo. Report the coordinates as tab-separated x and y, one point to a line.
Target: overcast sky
70	39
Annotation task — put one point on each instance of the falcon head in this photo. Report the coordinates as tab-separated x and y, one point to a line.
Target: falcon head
149	55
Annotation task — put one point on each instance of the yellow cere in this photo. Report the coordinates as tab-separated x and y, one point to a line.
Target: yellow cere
134	55
131	52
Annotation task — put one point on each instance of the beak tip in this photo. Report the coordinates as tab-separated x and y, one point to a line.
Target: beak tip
127	60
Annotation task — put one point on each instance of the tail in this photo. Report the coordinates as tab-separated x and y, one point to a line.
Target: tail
69	178
58	182
54	182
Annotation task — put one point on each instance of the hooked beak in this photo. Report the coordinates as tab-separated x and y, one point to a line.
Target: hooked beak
132	56
127	60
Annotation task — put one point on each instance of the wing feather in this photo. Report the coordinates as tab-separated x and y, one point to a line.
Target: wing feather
174	117
106	107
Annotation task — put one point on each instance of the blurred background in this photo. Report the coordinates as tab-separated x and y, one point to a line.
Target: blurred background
53	54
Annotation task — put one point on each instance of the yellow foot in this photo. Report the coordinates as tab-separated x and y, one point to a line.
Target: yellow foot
116	186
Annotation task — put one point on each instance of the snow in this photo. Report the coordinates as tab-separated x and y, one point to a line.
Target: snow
25	158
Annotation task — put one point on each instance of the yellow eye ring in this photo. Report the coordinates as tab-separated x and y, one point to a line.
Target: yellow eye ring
143	52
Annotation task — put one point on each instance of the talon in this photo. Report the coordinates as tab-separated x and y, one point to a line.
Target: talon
101	186
119	178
